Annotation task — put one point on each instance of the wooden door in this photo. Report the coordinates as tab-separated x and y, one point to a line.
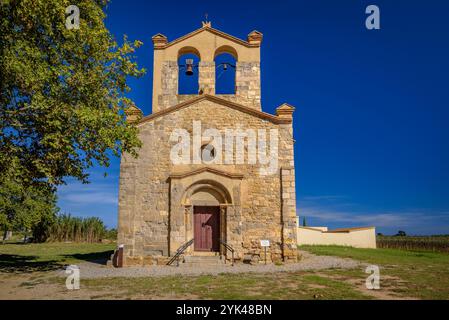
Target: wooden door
206	228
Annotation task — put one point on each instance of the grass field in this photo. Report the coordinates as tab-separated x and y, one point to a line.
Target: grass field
30	257
420	274
26	273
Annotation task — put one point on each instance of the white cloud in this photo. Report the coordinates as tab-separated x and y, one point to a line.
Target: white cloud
90	198
81	194
330	210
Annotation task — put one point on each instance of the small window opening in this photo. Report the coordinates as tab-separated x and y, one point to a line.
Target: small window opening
208	152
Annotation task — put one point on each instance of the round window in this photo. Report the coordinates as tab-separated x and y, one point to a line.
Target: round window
207	152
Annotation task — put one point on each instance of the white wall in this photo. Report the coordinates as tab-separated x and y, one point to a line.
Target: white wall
354	237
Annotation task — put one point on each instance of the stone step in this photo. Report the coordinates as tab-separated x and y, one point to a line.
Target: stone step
203	260
202	257
109	262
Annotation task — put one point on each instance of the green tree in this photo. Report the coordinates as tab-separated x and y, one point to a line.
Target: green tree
24	207
62	92
62	102
304	224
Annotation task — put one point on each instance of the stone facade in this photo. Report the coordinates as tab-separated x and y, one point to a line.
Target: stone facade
248	84
169	84
157	197
206	81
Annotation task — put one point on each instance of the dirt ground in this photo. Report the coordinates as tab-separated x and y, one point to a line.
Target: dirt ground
321	283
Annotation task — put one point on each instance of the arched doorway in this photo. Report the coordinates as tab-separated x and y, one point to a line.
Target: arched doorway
204	187
206	198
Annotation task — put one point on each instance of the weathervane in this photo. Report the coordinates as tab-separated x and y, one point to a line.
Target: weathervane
206	23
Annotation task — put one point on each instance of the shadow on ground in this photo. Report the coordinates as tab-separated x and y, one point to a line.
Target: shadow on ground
11	263
94	257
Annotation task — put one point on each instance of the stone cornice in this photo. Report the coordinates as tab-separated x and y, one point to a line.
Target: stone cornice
285	111
221	101
212	30
133	114
206	169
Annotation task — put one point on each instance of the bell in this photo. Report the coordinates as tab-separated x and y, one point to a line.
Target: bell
225	66
189	67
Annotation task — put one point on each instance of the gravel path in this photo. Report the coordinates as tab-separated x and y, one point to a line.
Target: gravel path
89	270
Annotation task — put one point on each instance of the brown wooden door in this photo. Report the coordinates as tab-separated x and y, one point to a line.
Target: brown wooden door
206	228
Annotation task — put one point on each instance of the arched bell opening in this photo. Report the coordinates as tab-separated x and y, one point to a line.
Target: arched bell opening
188	76
225	73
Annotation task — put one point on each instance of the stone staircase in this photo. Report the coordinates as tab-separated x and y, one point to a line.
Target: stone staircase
205	261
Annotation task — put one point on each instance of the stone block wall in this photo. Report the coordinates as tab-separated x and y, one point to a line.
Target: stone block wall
169	84
248	84
206	77
286	153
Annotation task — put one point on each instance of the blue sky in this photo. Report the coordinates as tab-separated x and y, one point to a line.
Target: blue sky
372	107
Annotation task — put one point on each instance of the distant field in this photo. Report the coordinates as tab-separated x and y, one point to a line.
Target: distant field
432	243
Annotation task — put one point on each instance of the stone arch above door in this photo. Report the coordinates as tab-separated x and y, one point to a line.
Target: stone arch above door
213	185
207	193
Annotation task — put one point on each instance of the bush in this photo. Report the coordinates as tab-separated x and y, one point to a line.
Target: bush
111	234
68	228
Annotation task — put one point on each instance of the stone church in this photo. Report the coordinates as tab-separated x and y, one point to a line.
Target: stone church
224	204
